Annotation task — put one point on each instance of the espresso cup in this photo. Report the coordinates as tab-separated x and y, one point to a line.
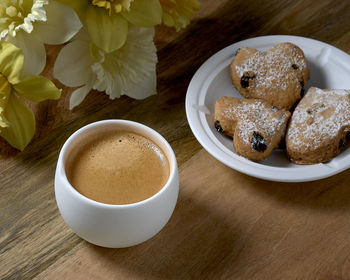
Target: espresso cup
109	225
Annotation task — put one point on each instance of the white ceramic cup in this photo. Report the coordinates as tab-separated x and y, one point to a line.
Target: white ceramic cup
115	226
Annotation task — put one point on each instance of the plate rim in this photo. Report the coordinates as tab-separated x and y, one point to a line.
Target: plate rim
240	163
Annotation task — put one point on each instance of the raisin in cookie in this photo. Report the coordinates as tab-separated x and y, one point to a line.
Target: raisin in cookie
256	127
277	76
319	127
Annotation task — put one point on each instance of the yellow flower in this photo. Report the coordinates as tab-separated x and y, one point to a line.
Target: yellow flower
130	70
107	21
113	6
29	24
177	13
17	123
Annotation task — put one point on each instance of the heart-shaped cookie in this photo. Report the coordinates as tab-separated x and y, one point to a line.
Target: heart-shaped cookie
277	76
255	126
320	126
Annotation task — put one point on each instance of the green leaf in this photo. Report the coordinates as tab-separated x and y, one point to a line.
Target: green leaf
5	91
11	62
21	123
107	32
37	88
144	13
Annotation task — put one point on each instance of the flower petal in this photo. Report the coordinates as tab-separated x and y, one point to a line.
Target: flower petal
17	15
78	96
82	35
61	25
11	62
144	89
78	6
121	70
107	32
37	89
72	66
21	123
33	51
178	13
144	13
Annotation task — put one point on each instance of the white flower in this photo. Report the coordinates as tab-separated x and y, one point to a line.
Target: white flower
130	70
31	24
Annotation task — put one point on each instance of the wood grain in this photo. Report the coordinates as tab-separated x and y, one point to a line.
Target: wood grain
238	227
231	226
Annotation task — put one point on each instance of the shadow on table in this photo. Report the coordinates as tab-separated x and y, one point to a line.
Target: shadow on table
330	194
205	239
196	240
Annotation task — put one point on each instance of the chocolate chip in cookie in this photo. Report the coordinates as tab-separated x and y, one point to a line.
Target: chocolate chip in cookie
258	142
255	126
277	76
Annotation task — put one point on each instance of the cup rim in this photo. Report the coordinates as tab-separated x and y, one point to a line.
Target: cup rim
68	143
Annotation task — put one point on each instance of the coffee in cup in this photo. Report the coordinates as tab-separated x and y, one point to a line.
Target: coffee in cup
102	220
117	167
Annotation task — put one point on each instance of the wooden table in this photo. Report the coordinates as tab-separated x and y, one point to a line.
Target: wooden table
226	224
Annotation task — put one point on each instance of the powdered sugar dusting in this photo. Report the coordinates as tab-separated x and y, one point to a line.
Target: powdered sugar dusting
332	91
274	69
320	115
257	116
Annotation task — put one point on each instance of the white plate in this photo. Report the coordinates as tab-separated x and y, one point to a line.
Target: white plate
329	68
